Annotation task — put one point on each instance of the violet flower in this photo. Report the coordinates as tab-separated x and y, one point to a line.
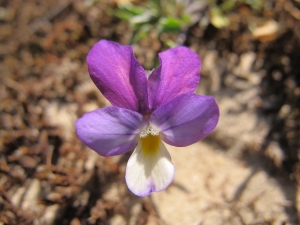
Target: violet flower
146	111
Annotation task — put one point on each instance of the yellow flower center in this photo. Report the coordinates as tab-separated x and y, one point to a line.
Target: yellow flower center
150	144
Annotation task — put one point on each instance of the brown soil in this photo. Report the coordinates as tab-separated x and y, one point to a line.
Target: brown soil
47	176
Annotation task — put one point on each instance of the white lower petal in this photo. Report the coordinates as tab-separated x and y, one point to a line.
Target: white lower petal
149	168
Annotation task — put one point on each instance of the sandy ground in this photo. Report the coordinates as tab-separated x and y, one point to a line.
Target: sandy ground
212	188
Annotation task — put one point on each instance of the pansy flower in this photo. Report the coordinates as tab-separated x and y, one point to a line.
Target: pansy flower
146	111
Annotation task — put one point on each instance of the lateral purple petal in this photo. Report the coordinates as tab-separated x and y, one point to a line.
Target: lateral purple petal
177	74
110	131
186	119
118	75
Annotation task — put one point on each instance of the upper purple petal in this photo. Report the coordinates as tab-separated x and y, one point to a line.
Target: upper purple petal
177	74
118	75
186	119
110	131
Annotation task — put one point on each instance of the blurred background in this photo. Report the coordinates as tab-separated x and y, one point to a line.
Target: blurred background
246	172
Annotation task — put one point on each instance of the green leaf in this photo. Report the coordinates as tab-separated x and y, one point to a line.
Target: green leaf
132	9
228	5
255	4
143	18
170	44
142	32
169	24
123	15
185	19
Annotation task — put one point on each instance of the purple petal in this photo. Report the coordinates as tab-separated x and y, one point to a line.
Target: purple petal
186	119
110	131
118	75
177	74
